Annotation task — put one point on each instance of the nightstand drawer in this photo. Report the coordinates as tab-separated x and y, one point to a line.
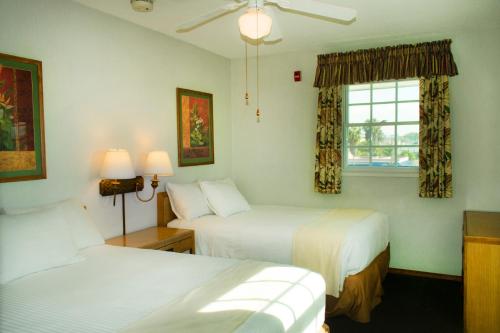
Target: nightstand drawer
185	245
180	246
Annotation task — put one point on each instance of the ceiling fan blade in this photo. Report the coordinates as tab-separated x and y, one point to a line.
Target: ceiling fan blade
200	20
317	8
275	35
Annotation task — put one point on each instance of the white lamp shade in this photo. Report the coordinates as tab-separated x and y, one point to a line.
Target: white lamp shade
117	165
255	24
158	163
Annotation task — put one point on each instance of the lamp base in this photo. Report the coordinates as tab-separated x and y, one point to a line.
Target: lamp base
109	187
123	214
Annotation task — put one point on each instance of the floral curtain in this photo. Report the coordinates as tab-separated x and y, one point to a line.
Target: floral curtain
435	138
327	174
433	63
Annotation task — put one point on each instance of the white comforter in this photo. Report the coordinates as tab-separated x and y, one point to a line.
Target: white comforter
116	287
267	232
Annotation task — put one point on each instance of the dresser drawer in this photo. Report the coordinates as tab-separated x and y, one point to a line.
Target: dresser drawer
481	272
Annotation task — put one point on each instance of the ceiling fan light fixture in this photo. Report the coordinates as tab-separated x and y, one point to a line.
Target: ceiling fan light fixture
255	23
142	6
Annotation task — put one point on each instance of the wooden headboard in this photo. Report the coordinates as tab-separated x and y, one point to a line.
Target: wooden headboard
164	213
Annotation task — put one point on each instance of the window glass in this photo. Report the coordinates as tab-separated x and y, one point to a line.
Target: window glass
359	156
359	94
359	114
407	134
384	92
383	156
408	90
383	112
408	157
382	135
408	111
382	124
358	136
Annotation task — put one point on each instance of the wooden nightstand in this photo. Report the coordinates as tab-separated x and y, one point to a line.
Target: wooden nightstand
158	238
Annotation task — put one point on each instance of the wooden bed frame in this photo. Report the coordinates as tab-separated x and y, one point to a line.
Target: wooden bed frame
361	293
164	213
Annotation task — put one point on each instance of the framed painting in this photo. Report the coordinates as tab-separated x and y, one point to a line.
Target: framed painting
195	127
22	146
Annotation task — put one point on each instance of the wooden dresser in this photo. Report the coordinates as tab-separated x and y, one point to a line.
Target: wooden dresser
481	264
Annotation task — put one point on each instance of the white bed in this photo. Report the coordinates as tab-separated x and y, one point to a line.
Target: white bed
267	233
113	288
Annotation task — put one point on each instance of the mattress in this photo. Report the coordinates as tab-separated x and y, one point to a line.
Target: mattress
266	233
115	287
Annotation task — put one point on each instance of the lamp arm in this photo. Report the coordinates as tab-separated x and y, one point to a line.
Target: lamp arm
154	185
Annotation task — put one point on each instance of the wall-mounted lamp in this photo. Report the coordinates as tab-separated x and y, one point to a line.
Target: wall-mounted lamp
157	164
119	177
117	165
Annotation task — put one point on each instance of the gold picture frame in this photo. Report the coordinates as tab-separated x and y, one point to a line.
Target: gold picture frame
195	130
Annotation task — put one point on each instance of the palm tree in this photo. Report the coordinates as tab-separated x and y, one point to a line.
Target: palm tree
375	132
353	137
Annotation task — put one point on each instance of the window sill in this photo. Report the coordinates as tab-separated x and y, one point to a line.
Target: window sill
386	172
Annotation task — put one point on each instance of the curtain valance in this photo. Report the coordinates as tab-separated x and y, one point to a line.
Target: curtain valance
423	60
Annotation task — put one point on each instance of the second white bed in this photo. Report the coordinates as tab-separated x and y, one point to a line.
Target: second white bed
267	233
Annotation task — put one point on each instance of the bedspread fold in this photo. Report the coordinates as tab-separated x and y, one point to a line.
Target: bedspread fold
318	245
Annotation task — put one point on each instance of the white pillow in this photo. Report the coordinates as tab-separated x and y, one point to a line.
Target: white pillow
82	228
34	242
81	225
187	201
224	198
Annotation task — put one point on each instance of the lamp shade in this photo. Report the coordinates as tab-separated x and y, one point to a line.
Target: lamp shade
255	24
117	165
158	163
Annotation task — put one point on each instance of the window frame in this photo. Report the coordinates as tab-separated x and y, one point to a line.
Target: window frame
375	170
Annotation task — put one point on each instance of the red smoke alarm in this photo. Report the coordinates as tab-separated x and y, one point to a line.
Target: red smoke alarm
297	77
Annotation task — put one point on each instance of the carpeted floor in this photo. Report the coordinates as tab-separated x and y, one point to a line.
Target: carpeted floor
411	304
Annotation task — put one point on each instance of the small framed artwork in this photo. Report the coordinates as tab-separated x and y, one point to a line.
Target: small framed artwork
195	127
22	146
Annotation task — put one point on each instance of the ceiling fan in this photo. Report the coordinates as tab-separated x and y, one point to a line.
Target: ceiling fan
259	21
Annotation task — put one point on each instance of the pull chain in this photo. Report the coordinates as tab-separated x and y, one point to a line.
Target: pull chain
258	92
246	73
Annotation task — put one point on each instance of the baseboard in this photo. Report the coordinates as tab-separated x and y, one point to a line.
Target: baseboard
429	275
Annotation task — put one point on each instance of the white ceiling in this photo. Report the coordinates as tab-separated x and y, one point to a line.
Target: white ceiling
376	19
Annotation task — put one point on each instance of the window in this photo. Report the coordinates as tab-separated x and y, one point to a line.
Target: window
381	125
